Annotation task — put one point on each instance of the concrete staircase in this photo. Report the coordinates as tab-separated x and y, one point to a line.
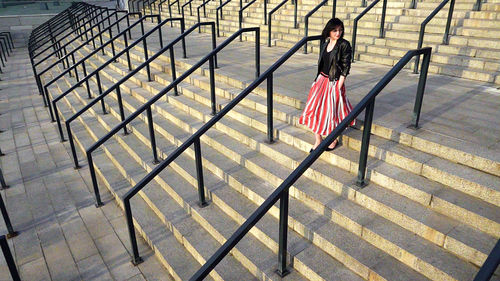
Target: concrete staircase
473	51
430	211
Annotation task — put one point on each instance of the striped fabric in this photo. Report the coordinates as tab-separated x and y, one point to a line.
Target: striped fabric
326	106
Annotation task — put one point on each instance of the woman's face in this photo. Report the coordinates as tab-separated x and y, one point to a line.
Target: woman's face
336	32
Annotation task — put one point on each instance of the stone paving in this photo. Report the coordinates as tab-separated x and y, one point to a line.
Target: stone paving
62	236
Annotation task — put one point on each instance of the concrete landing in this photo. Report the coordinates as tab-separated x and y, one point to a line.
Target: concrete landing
62	236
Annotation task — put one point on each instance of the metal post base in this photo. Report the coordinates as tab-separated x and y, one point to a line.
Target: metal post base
98	205
77	167
137	261
362	183
13	234
203	205
156	162
283	273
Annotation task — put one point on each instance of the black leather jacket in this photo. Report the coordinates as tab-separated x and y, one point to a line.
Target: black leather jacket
340	59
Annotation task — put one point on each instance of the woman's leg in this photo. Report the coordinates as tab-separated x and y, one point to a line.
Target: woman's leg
317	140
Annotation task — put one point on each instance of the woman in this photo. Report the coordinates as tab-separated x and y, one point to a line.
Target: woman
327	104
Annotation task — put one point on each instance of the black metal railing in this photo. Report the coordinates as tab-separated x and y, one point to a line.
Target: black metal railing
90	12
59	48
192	140
355	26
95	73
202	5
51	34
269	18
8	38
82	61
190	8
64	59
490	264
240	14
3	209
160	10
281	193
178	5
60	21
116	86
219	11
9	259
306	19
55	42
424	23
477	5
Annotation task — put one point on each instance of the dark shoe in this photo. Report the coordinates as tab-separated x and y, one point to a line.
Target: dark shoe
335	143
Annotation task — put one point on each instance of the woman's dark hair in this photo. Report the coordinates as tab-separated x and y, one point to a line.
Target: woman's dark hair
330	25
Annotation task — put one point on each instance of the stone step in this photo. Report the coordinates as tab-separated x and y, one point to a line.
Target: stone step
379	130
199	243
344	238
212	214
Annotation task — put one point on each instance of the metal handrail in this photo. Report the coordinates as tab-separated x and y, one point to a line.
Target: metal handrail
61	28
240	14
269	18
116	86
55	43
11	42
306	19
5	215
281	192
178	5
60	48
42	29
96	72
35	45
44	88
205	2
194	139
147	107
63	58
190	8
219	10
424	23
490	264
355	26
9	259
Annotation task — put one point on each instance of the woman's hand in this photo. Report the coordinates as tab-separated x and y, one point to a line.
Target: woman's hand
341	81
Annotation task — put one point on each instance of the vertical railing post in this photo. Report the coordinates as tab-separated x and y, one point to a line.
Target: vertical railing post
89	94
420	90
148	68
90	161
353	41
214	44
120	105
477	5
72	145
413	4
3	209
9	259
58	120
172	69
269	24
270	137
306	32
257	53
363	156
448	22
76	67
199	173
136	259
334	8
382	21
129	63
212	84
265	12
295	24
99	87
283	235
152	135
4	185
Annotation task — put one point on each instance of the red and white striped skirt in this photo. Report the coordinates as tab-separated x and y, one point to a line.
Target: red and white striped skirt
326	106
